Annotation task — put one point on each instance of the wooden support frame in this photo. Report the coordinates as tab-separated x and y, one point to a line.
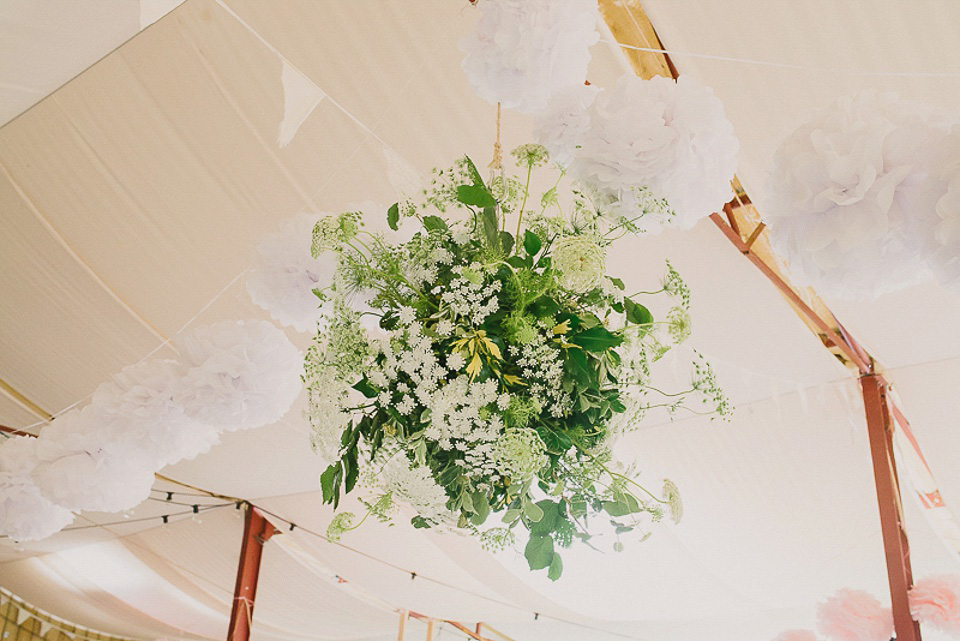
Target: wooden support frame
900	575
256	531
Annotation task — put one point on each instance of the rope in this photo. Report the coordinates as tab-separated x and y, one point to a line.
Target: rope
497	163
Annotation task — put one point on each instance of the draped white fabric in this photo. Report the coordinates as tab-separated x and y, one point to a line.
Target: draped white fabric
134	196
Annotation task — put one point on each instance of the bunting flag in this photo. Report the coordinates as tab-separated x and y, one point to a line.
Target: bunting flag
300	97
910	458
22	615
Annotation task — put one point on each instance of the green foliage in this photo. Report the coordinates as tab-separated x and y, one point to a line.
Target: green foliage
473	311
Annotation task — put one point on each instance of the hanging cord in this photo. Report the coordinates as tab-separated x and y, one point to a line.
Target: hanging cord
497	163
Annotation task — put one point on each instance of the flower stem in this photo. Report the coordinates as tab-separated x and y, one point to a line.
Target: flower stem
526	192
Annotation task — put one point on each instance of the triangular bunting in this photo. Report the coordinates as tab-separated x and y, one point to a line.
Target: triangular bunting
300	97
45	627
22	615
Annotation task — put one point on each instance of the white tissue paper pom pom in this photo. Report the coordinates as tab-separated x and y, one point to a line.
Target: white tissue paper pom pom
854	615
524	51
239	374
285	274
847	192
80	468
562	125
672	137
25	514
940	229
139	409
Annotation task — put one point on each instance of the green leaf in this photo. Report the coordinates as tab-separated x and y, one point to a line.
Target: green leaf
511	515
637	313
596	339
506	242
556	567
548	521
420	522
618	283
434	223
352	471
580	368
476	195
481	508
532	243
539	552
518	262
618	547
616	508
365	388
490	223
532	511
393	216
544	307
330	483
474	174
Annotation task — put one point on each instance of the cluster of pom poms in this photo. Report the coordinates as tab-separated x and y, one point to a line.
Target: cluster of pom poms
854	615
230	375
669	138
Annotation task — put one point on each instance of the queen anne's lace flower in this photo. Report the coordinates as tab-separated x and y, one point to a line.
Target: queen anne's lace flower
285	275
671	494
25	514
846	192
670	136
519	454
239	374
581	261
524	51
415	486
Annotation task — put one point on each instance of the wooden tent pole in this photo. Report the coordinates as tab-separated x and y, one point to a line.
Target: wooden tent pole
256	531
899	572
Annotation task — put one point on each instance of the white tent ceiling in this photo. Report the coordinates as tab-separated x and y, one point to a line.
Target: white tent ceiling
132	198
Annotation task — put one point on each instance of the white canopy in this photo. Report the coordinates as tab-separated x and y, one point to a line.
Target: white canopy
132	197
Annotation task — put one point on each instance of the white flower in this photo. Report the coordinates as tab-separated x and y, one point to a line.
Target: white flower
562	125
407	314
519	454
524	51
845	192
581	262
445	327
415	486
239	374
25	514
284	275
456	361
670	136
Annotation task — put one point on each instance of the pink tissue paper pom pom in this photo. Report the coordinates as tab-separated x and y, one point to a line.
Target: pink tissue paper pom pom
936	600
796	635
854	615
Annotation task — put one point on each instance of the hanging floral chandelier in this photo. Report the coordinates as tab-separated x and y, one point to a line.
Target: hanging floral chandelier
486	365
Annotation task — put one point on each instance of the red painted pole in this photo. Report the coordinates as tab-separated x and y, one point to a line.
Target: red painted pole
896	548
256	531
